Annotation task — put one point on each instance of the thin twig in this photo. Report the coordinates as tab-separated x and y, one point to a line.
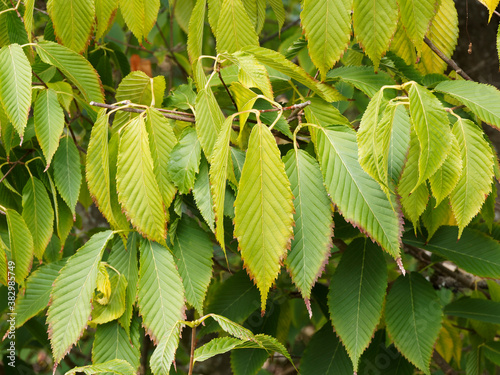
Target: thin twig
137	110
18	161
295	107
447	60
128	45
191	354
283	29
225	86
41	80
441	362
171	51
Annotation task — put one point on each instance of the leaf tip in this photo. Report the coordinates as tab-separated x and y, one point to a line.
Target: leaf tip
308	307
399	262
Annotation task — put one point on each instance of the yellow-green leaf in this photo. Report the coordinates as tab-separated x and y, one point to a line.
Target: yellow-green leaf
195	32
104	11
21	245
263	189
140	16
138	190
491	5
416	16
234	29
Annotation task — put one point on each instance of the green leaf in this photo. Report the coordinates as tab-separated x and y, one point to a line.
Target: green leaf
37	293
434	217
263	239
413	200
433	131
279	12
221	164
3	270
193	256
313	221
363	78
185	160
235	299
38	214
164	354
360	198
447	176
277	61
219	345
75	67
73	22
139	88
234	28
70	306
322	113
140	16
138	190
112	342
413	318
15	86
160	291
115	307
474	184
232	328
64	93
327	26
209	120
29	6
195	32
115	366
474	308
356	296
49	122
104	11
98	173
491	350
475	252
21	245
375	23
480	98
183	12
416	16
203	196
443	33
162	141
67	172
325	355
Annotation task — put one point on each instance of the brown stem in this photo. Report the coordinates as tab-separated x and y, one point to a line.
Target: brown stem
41	80
285	28
191	354
441	362
170	51
137	110
227	90
15	164
447	60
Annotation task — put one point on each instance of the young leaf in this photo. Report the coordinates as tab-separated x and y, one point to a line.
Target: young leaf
363	78
413	317
413	202
313	221
219	345
75	67
164	354
325	355
263	238
234	29
446	177
221	164
38	214
279	12
140	16
115	366
474	184
480	98
185	160
73	21
277	61
67	172
327	26
160	291
49	122
416	16
374	24
70	306
436	216
37	294
443	33
232	328
203	196
474	308
322	113
98	174
115	307
21	245
138	190
193	255
161	140
195	32
15	85
356	296
125	261
359	198
433	131
104	12
475	252
209	120
112	342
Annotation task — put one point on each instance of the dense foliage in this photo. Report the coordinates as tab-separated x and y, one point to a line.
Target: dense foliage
317	197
